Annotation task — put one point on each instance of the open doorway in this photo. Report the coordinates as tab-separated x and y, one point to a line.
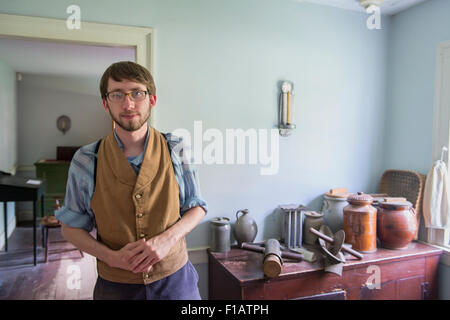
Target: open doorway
55	71
53	80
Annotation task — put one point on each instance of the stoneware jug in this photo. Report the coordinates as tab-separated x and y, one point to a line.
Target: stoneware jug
396	224
245	228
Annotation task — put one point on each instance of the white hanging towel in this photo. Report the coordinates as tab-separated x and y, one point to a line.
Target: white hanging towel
436	197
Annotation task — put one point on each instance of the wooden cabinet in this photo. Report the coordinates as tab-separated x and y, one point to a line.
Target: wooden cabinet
55	174
411	273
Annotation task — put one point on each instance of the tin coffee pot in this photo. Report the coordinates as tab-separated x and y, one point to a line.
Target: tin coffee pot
245	228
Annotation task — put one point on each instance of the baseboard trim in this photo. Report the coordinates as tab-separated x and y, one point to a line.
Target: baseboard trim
25	168
26	215
198	255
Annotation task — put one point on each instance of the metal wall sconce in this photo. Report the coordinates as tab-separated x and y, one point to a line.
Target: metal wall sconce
63	124
286	104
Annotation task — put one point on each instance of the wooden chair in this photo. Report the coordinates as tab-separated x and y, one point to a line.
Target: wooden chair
50	222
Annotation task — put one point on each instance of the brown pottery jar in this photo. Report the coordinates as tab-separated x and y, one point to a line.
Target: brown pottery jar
396	224
360	223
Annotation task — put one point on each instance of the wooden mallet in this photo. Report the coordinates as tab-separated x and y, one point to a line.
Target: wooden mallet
272	258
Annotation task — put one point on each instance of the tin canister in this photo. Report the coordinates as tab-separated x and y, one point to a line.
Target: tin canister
312	219
220	234
360	223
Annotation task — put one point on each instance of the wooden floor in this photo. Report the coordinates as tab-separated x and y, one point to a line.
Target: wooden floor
66	275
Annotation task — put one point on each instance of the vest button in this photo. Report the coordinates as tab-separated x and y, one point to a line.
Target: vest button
140	215
146	276
142	235
138	196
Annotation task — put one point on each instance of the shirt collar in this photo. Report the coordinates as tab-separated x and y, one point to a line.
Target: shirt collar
121	144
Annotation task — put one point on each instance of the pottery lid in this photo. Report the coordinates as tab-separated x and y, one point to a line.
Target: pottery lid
220	220
313	214
396	205
338	193
342	196
360	198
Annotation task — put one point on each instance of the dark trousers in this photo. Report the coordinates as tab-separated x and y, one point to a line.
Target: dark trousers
182	285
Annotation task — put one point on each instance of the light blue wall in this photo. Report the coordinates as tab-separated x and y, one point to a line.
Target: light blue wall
8	117
221	62
8	137
364	99
413	40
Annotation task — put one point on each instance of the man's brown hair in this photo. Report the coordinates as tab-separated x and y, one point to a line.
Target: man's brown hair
127	70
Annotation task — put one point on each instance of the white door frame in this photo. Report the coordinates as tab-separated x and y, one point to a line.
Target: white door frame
46	29
441	117
441	125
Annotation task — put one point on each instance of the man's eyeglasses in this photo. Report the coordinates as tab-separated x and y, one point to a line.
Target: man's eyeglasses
119	96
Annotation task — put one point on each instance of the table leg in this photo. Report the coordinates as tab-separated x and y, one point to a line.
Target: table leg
34	232
5	218
42	215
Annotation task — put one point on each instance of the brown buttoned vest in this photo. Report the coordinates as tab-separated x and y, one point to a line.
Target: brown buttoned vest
128	207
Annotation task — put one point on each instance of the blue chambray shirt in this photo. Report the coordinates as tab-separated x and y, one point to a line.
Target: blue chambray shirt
77	211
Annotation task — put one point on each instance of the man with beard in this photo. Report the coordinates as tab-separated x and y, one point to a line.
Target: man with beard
140	195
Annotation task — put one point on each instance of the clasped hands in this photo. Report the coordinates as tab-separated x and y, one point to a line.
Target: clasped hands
141	255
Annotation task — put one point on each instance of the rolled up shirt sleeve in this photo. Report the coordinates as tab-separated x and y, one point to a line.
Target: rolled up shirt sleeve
76	211
186	174
75	219
192	194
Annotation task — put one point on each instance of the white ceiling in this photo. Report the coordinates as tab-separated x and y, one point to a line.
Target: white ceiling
58	58
389	7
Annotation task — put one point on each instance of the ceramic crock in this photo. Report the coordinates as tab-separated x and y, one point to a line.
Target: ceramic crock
360	223
396	224
333	210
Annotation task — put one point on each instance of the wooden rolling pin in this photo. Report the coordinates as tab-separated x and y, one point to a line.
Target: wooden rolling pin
284	254
331	240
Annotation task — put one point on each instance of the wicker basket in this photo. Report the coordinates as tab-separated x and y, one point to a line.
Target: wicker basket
406	184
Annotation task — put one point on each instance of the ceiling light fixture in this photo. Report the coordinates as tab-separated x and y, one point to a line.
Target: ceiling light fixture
368	3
